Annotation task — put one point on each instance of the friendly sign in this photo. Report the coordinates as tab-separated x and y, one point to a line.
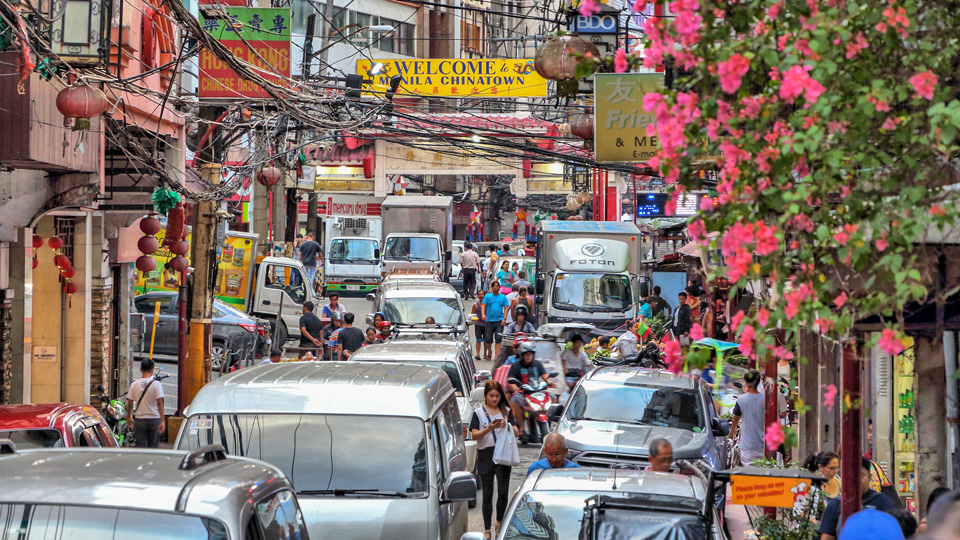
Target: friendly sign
466	78
620	121
780	492
257	36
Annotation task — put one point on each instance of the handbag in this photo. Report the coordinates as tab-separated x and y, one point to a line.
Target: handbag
506	452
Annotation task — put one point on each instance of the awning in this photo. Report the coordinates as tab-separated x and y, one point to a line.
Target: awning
342	156
693	248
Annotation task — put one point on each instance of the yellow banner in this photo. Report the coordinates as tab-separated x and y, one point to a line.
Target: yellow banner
458	77
779	492
161	278
621	122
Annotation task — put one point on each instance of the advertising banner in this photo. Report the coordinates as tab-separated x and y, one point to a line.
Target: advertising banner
466	77
620	121
257	36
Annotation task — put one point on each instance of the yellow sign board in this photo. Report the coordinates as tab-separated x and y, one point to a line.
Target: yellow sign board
780	492
161	278
458	77
621	122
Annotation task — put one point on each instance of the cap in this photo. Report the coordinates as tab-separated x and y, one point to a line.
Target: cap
872	524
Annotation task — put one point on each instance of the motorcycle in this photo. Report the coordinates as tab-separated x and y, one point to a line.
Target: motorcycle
114	411
649	356
536	402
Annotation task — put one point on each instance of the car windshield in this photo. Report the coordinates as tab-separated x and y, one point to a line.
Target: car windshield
33	438
323	453
352	251
416	310
97	523
634	404
558	515
406	248
592	292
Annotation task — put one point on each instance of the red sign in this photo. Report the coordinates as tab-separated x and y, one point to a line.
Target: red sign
337	207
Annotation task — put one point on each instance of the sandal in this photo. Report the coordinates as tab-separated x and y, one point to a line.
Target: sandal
486	534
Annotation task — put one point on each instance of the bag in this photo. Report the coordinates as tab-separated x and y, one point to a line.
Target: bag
506	452
140	399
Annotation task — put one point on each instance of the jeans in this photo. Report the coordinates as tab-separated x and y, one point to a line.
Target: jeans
312	276
146	432
502	475
469	281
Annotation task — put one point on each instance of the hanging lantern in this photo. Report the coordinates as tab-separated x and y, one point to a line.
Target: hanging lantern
146	263
62	261
583	198
81	101
37	241
554	59
150	225
70	287
36	263
269	176
68	272
55	242
180	248
581	125
148	244
178	263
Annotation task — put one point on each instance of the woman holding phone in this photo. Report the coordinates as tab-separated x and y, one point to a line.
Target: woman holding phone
487	422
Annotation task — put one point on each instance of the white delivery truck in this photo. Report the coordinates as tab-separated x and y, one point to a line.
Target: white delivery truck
587	271
418	233
352	249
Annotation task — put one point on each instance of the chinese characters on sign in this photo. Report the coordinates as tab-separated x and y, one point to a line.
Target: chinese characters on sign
621	122
458	77
257	36
442	158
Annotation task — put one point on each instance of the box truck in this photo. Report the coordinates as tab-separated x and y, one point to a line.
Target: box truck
418	233
352	248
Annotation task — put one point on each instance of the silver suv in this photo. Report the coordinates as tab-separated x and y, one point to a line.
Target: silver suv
145	494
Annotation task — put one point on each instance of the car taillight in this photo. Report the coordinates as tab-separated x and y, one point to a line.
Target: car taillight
248	327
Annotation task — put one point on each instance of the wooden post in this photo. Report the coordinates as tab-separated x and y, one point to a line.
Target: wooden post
850	454
199	344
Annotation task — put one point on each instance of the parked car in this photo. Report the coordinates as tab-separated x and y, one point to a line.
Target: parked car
145	494
55	425
374	449
615	412
558	504
412	302
236	335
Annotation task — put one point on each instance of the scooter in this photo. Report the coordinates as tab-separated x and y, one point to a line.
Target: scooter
114	411
536	402
649	356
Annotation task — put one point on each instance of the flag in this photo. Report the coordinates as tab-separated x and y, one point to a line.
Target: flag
642	329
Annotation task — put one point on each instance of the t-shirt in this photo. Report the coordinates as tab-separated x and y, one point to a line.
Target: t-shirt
308	253
496	306
545	465
526	373
480	421
351	338
328	310
572	360
505	278
332	344
512	328
830	522
314	327
469	259
750	408
646	311
628	344
658	304
265	361
145	405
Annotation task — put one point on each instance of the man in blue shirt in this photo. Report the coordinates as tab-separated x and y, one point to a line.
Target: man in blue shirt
555	448
830	526
492	310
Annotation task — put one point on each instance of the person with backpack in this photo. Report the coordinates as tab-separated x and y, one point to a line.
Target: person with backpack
145	407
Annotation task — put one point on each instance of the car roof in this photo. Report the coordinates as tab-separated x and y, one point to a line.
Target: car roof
642	377
134	478
40	415
412	350
421	288
622	481
376	389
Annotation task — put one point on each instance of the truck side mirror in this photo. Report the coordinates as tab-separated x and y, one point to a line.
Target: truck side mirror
448	255
376	253
644	289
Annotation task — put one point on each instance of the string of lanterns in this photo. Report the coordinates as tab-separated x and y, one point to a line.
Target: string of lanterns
62	262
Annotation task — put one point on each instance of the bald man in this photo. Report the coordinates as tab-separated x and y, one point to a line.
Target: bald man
661	456
555	450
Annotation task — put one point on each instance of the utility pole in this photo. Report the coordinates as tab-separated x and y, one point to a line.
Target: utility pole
199	339
307	54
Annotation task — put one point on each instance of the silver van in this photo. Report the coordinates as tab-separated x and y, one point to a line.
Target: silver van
89	494
374	451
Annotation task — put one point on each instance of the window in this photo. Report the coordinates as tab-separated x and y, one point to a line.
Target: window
90	437
40	521
146	304
470	36
406	37
34	438
280	517
592	292
385	40
415	310
279	277
642	405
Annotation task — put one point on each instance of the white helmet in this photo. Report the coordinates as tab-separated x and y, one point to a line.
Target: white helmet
526	347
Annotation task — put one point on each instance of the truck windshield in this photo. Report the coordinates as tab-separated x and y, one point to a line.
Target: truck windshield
416	310
352	251
592	292
405	248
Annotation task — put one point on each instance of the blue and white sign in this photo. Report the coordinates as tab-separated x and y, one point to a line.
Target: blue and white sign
605	23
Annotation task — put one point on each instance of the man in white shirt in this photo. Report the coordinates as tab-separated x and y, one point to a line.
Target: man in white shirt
514	292
145	407
275	356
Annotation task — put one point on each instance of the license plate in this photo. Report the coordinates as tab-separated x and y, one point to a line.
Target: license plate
353	287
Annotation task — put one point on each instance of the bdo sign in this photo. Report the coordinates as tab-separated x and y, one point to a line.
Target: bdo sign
595	24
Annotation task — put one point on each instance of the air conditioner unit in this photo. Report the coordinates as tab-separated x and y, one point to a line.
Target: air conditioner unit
337	223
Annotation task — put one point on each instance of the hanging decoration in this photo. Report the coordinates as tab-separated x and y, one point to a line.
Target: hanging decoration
176	225
37	241
148	243
81	102
556	60
269	176
55	242
163	200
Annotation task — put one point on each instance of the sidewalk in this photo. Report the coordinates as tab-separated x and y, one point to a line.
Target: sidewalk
737	521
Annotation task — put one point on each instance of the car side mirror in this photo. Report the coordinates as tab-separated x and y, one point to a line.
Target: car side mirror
376	253
369	318
371	297
721	428
461	486
555	412
476	396
644	289
738	384
483	376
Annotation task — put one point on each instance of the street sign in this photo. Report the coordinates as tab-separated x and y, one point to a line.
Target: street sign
601	23
458	77
620	121
257	36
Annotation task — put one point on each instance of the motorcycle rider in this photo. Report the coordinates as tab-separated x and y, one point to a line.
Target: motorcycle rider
527	371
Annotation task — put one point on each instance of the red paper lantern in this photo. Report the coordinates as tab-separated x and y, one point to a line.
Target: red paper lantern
150	225
81	101
148	244
180	248
70	287
55	242
554	59
68	272
36	263
62	261
581	125
269	176
146	263
369	165
37	241
178	263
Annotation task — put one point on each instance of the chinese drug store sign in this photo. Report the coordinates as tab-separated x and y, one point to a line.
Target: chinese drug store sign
621	122
458	77
257	36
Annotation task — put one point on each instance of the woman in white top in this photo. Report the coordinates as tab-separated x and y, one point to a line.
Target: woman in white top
486	425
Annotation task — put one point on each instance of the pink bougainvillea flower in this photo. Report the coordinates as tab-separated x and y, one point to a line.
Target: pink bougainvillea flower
763	316
736	320
829	396
797	81
924	83
767	241
672	354
731	71
696	332
881	243
747	336
782	353
639	6
774	436
589	8
774	10
889	124
841	299
855	45
937	210
620	63
825	325
895	18
890	343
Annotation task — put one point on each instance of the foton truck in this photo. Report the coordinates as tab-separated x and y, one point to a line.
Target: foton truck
262	290
587	272
352	254
418	233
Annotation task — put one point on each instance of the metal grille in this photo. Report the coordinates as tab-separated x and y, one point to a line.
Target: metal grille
64	228
355	223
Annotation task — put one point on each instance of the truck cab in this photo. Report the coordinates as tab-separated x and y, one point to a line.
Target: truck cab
418	233
405	251
280	288
352	265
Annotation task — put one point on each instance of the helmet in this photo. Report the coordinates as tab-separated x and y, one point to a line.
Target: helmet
116	409
522	309
336	316
526	347
519	338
